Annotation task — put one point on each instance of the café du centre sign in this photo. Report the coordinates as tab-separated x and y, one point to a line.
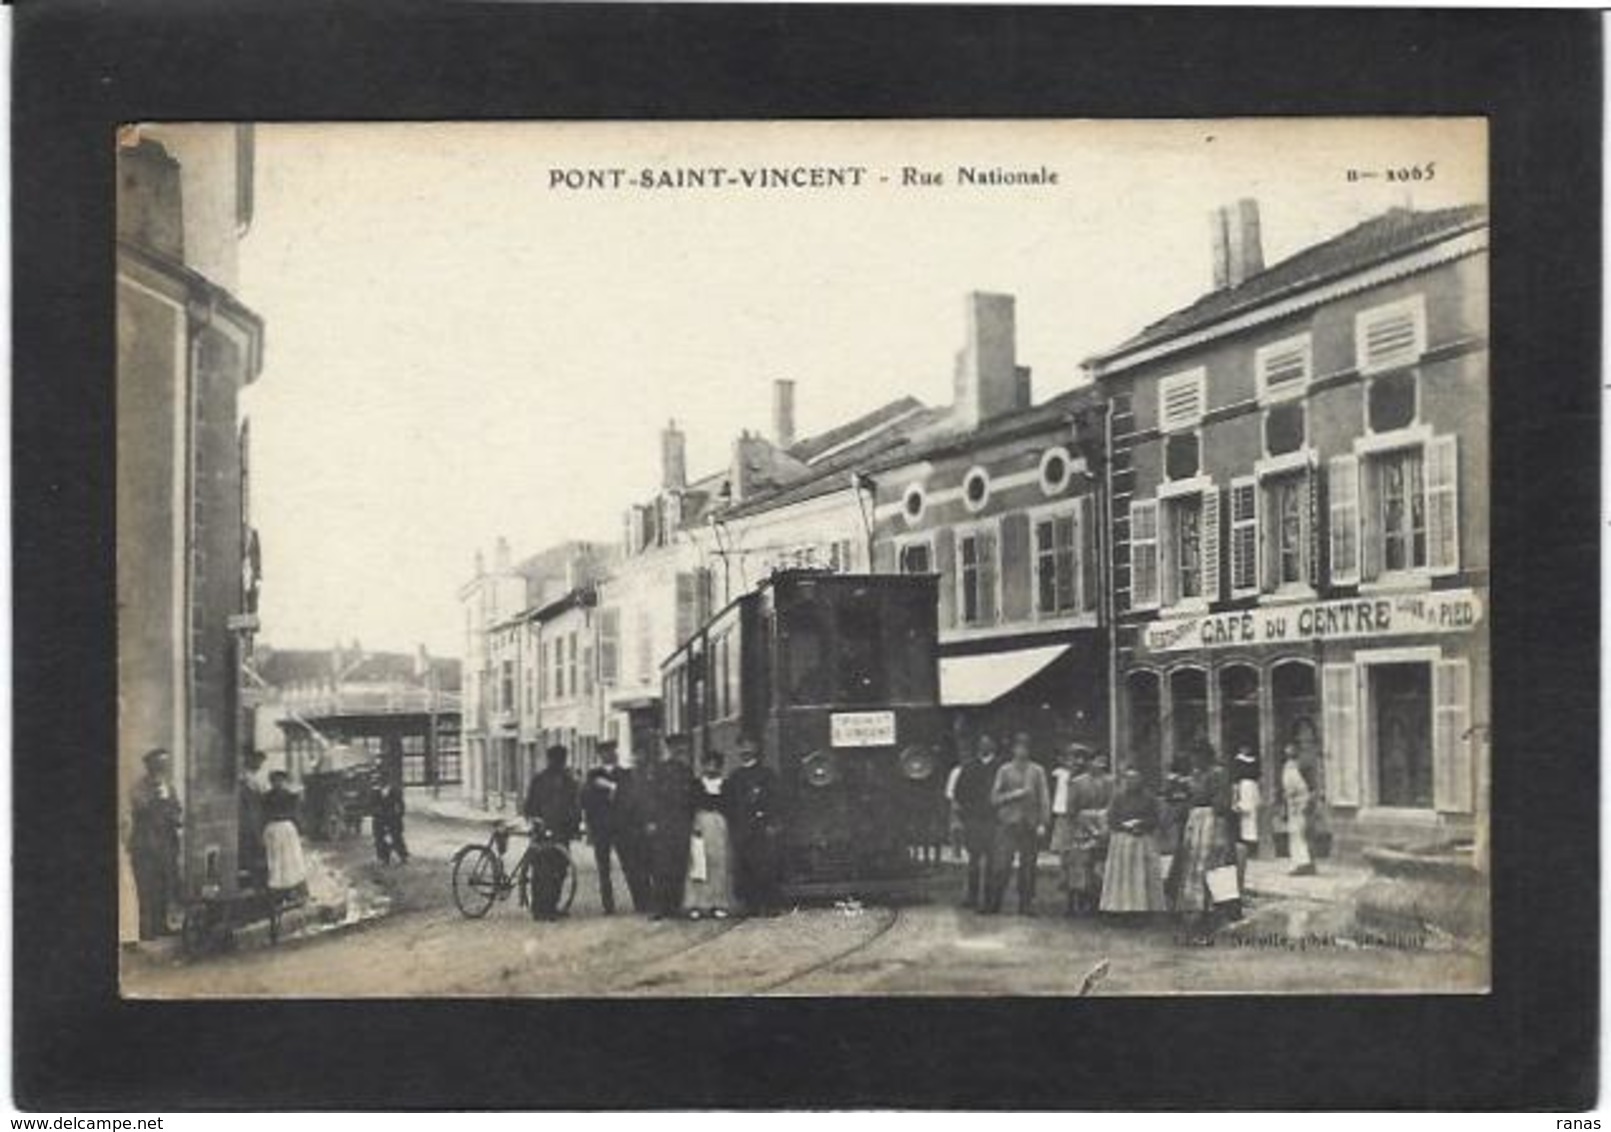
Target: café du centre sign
1402	615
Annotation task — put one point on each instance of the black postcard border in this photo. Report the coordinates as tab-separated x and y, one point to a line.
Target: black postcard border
82	66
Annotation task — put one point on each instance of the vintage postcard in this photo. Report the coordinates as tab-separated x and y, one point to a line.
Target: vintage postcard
803	558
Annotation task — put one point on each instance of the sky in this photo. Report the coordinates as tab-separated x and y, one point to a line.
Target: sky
457	349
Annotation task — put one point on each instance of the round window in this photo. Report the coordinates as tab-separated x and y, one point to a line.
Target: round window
976	489
913	503
1055	470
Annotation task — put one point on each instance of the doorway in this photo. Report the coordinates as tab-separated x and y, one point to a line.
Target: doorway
1401	702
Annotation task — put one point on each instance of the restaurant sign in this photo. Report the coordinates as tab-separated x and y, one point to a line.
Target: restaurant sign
1401	615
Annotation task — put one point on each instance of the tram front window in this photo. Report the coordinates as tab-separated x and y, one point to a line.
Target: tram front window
859	674
805	644
909	647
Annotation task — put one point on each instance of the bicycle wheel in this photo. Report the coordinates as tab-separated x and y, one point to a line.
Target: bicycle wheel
477	880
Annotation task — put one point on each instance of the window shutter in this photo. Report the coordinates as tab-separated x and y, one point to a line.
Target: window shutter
987	577
1312	510
1087	553
1340	699
1391	336
1283	367
1244	536
1442	505
1144	554
1211	541
1451	748
1180	401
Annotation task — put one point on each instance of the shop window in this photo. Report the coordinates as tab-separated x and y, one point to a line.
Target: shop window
1145	711
414	760
1239	708
1294	714
1401	706
1188	710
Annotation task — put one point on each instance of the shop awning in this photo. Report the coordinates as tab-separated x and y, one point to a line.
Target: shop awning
967	681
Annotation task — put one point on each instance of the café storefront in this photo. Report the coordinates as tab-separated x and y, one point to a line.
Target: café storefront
1386	693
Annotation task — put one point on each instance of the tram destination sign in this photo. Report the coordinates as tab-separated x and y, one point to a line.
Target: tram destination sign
862	728
1398	615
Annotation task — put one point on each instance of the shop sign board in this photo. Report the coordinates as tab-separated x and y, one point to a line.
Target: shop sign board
1368	616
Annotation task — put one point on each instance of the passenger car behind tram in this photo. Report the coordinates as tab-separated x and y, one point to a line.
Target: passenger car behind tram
836	676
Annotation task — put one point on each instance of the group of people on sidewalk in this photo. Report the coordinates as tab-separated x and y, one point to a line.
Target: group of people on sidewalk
1123	849
268	847
698	845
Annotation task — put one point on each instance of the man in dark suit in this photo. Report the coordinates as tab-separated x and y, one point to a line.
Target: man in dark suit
753	806
552	800
668	824
609	803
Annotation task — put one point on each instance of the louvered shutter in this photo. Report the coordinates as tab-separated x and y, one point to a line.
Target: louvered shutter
1442	505
1390	337
1339	690
1244	537
1088	552
1180	401
1451	747
1144	554
1211	541
1312	526
1342	489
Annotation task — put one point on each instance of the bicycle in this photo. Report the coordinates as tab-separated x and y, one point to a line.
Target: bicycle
480	878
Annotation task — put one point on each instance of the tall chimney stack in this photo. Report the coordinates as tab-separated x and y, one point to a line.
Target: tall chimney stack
1238	250
673	458
988	380
500	556
783	413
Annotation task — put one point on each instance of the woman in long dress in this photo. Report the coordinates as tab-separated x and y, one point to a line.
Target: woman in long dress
1091	793
282	843
1131	881
1204	841
709	888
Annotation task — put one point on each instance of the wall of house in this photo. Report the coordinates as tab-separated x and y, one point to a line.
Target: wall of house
1223	652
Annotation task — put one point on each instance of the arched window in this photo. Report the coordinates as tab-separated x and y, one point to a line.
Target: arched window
1295	708
1188	711
1144	710
1238	708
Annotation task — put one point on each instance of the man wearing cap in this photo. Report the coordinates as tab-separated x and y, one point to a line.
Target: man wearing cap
668	827
608	801
751	794
551	800
156	817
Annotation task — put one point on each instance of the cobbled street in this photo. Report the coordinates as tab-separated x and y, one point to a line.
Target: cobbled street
424	948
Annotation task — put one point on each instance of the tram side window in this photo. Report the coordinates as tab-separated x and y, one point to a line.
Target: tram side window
805	646
859	671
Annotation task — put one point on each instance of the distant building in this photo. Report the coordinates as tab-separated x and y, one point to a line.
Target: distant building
401	709
1300	493
186	555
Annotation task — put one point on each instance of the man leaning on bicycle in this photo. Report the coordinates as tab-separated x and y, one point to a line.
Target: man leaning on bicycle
553	806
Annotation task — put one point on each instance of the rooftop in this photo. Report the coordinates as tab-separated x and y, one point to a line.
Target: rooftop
1393	233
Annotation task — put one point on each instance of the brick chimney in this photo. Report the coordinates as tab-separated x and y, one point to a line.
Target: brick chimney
988	380
783	413
1238	250
673	458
